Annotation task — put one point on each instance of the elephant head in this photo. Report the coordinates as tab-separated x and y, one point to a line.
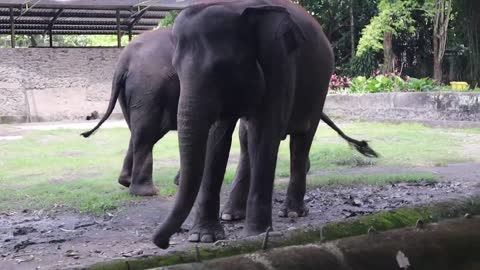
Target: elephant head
231	59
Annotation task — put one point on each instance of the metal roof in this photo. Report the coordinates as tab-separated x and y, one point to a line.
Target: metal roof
83	17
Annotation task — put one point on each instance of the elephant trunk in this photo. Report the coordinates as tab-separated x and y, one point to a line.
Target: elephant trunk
193	127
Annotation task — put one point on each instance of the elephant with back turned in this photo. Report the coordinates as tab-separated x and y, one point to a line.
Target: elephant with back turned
266	62
147	89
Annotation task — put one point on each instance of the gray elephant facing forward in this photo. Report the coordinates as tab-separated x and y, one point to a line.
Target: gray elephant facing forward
267	62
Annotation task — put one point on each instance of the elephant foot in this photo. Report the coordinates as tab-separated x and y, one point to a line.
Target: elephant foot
293	210
124	181
233	215
206	232
161	239
143	190
233	211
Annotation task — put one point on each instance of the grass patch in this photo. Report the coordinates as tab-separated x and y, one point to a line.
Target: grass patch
60	167
370	179
366	179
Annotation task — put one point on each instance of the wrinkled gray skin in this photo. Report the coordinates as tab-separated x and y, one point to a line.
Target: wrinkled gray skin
147	88
267	62
148	91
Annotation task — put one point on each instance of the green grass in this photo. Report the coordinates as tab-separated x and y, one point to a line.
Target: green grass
59	167
370	179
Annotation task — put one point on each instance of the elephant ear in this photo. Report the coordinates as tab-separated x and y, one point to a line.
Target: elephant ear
287	30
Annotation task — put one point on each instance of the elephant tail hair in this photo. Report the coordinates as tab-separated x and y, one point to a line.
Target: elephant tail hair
117	86
361	146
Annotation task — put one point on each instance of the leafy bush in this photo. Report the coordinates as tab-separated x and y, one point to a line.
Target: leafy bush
389	83
358	84
420	85
365	64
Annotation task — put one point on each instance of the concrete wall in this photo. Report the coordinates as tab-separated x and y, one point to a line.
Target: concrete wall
406	106
51	84
44	84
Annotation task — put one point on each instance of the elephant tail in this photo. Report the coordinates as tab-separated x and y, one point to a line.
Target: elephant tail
117	86
361	146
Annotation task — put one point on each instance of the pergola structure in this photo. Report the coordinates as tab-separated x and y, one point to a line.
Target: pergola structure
83	17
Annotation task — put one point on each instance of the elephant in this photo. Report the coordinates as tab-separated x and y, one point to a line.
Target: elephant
265	62
148	90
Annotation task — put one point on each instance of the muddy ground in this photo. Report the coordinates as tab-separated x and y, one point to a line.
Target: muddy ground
60	238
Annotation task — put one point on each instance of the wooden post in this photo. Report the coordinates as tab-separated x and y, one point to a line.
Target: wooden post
119	38
130	33
50	37
12	28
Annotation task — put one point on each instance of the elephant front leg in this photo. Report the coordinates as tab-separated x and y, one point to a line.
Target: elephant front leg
236	205
125	177
263	142
207	227
294	205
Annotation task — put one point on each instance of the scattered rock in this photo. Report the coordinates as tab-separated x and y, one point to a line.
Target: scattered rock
23	231
83	224
23	245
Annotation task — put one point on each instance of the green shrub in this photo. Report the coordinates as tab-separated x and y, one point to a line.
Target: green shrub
420	85
365	64
389	83
358	84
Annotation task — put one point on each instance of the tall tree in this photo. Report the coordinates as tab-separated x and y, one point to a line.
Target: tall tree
443	9
395	16
352	28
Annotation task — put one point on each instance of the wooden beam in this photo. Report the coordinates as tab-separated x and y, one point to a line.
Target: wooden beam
50	26
119	37
136	17
53	20
12	28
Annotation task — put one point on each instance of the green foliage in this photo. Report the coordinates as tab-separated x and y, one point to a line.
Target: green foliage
420	85
169	19
358	85
394	16
364	64
382	83
334	17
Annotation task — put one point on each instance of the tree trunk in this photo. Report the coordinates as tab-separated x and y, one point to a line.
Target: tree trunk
449	245
352	29
387	52
440	30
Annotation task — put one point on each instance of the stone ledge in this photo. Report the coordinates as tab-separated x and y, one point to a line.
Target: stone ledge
424	106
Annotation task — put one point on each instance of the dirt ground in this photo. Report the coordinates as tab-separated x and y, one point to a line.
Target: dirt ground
59	238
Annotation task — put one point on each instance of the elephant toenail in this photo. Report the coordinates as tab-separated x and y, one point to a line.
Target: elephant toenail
194	237
207	238
292	214
226	217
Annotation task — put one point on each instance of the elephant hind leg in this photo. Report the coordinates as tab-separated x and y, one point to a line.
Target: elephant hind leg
144	137
300	144
125	178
